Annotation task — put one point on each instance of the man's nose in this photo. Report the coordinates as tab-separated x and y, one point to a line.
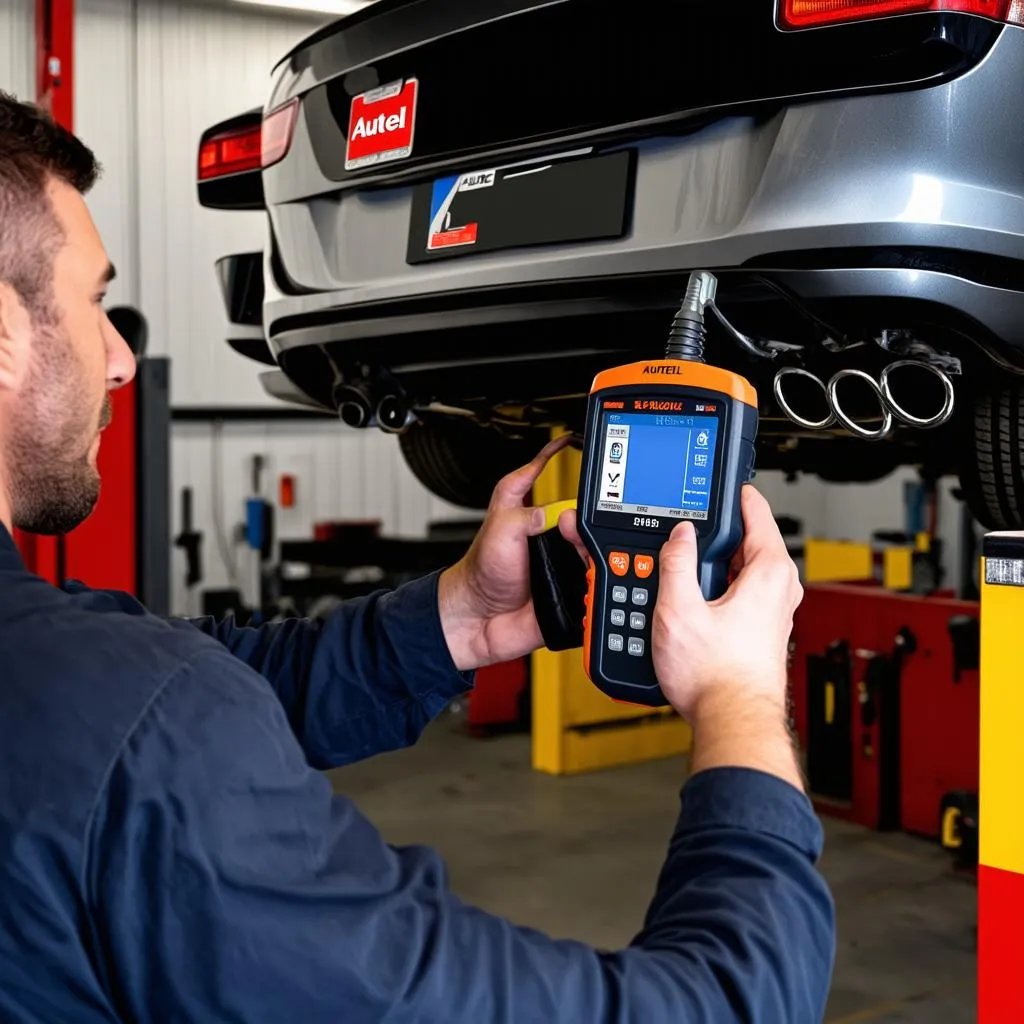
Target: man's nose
120	360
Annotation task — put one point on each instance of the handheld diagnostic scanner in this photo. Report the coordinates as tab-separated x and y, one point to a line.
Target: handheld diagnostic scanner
665	441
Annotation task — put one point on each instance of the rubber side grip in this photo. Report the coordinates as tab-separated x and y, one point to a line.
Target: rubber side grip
558	584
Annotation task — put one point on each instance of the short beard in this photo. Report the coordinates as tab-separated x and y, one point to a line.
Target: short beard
53	488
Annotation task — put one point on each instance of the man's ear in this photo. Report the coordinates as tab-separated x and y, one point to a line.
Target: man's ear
15	338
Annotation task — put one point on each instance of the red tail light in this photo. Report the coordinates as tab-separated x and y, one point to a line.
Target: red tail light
230	152
795	14
278	128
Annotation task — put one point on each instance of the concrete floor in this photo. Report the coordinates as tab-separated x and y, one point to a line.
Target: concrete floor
550	852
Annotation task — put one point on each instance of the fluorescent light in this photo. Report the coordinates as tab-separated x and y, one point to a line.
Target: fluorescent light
338	8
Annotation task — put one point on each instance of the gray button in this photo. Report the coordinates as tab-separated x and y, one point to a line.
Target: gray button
636	646
619	595
618	617
639	596
614	642
637	620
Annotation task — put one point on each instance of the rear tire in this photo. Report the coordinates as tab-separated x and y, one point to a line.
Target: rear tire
460	461
992	464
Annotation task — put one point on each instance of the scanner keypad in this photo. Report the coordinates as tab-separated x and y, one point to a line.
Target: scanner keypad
632	588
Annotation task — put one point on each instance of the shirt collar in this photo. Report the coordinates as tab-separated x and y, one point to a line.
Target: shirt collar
10	557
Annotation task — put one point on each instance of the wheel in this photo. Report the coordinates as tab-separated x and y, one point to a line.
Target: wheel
460	461
992	462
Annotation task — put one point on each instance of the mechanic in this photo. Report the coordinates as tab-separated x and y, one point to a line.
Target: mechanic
169	846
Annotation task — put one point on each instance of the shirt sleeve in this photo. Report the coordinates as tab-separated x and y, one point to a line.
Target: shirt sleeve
225	881
366	680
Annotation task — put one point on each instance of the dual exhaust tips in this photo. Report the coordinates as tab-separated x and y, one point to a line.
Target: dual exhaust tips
358	406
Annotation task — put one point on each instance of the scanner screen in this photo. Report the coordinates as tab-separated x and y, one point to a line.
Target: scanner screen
657	464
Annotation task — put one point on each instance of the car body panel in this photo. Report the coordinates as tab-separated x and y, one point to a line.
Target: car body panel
499	77
861	171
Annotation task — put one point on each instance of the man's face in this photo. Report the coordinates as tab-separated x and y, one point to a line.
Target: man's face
73	358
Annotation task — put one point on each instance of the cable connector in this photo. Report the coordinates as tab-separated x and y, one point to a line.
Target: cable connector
688	332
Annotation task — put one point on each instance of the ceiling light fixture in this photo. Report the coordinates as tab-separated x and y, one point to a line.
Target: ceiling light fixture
338	8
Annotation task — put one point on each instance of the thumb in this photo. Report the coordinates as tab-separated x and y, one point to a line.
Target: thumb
528	522
678	568
570	532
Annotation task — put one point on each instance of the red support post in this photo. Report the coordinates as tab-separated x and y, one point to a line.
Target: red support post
55	50
55	56
101	552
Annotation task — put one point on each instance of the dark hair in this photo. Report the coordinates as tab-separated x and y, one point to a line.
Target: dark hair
33	148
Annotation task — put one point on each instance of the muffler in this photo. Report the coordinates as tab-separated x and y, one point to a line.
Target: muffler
354	403
394	414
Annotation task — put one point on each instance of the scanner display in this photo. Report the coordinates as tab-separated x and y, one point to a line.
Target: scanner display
657	464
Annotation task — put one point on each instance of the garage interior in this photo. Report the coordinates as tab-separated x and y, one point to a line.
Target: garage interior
242	504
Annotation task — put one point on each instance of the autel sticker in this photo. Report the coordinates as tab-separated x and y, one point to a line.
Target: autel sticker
381	124
443	234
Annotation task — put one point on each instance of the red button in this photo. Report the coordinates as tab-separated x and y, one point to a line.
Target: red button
643	565
619	562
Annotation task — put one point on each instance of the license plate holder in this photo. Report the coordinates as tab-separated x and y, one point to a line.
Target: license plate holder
549	201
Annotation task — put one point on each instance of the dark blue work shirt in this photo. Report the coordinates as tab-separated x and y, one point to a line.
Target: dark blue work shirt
170	851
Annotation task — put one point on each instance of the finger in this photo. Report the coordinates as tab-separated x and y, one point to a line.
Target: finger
521	522
762	538
766	562
512	490
678	569
570	531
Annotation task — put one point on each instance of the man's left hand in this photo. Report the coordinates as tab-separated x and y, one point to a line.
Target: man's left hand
486	608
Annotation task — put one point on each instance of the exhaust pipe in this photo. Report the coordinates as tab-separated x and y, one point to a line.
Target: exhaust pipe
394	414
353	404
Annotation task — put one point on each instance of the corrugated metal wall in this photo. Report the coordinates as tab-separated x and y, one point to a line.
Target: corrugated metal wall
152	74
105	120
197	66
17	48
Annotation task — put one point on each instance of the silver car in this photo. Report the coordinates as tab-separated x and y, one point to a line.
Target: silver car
475	205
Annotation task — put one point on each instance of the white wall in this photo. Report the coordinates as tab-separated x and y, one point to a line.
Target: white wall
152	75
17	48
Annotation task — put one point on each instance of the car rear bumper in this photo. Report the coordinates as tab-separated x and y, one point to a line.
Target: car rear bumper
934	168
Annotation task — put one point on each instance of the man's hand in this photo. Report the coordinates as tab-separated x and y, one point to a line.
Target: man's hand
722	664
486	608
739	641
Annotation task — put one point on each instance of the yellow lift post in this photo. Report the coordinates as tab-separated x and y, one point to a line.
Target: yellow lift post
576	728
1001	789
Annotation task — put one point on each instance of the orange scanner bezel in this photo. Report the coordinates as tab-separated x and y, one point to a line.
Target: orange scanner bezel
677	373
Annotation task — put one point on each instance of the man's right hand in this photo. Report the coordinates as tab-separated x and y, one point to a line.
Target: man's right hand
722	664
